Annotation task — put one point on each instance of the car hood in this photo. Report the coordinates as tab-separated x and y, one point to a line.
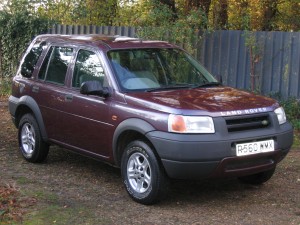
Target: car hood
213	101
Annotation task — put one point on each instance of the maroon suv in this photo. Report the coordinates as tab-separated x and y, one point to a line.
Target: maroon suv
144	106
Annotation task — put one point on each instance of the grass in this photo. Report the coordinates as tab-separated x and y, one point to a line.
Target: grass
296	143
22	180
55	209
56	214
39	206
10	207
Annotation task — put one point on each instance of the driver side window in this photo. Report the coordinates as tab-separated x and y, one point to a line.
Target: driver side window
87	68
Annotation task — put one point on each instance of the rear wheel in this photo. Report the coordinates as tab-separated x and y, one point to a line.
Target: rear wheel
142	175
31	144
258	178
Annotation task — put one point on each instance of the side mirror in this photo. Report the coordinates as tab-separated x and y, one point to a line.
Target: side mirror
93	87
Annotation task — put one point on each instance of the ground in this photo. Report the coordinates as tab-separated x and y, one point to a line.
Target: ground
72	189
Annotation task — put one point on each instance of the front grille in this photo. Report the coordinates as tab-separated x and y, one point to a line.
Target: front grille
249	122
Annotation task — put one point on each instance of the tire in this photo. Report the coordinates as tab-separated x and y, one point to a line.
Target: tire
31	144
142	175
259	178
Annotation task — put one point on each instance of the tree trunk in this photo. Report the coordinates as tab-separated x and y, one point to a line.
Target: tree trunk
204	5
269	12
220	17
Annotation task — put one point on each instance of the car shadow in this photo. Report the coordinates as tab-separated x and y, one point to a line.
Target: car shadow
178	191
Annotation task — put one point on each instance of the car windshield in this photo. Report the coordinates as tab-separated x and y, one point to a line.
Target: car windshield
158	69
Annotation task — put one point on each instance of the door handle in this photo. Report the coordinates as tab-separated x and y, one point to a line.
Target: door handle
35	89
69	98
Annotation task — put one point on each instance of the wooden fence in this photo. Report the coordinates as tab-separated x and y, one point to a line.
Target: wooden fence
274	58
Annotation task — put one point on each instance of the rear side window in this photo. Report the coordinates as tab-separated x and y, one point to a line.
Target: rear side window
44	67
31	58
55	65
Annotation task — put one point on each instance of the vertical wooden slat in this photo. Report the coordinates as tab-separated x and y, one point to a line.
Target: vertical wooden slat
286	65
294	87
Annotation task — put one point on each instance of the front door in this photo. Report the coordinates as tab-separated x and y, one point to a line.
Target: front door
87	118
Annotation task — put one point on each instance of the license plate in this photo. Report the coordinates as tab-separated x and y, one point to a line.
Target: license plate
254	147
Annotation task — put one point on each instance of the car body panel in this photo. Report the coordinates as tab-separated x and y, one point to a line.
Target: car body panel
210	101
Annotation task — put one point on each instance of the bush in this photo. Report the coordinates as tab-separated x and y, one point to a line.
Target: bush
16	32
292	110
5	86
291	107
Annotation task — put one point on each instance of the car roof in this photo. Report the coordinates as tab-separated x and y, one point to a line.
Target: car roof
111	42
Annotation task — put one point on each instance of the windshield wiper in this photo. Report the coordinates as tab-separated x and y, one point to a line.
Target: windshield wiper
165	88
170	87
209	84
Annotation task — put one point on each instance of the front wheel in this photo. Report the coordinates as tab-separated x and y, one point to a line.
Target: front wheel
258	178
31	144
142	175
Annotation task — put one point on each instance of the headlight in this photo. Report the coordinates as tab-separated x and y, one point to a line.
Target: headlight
280	115
191	124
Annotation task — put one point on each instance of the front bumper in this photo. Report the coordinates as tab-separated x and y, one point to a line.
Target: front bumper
194	156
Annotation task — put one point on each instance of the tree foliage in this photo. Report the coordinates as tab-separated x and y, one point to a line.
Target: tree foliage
163	23
251	15
17	28
216	14
85	12
263	15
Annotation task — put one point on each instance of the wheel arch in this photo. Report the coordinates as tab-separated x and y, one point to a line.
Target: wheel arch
25	105
127	131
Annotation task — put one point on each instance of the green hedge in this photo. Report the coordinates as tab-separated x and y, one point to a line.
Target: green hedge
16	32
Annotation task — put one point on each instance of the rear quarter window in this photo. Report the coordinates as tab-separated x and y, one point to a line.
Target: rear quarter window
31	58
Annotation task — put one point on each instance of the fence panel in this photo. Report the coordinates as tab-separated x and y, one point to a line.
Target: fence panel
103	30
276	66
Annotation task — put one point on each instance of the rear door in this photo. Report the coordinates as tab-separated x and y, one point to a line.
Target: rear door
50	90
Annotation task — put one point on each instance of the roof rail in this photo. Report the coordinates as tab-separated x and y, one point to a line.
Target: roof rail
125	38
